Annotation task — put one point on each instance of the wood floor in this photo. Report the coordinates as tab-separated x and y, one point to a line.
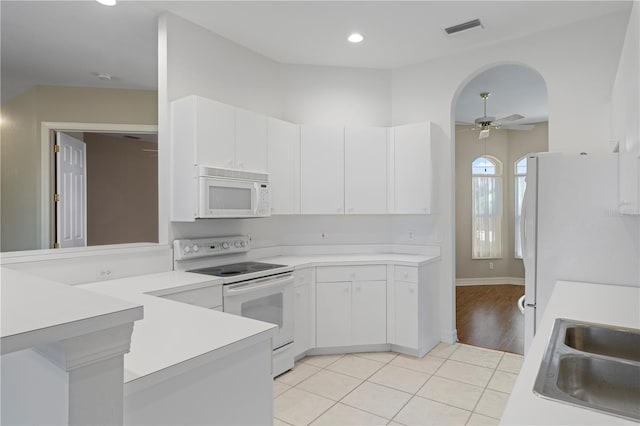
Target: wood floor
487	316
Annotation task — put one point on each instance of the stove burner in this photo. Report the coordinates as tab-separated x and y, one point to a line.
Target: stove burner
236	269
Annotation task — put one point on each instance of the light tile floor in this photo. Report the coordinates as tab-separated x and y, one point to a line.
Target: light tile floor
452	385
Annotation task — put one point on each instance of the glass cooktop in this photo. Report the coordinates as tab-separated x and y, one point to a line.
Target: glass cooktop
236	269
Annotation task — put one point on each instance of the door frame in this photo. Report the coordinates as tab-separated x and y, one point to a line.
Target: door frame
47	172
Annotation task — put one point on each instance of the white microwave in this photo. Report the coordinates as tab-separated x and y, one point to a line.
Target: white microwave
232	193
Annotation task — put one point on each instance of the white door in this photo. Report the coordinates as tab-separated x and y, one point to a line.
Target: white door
365	180
322	170
413	169
333	318
251	141
71	192
283	147
369	312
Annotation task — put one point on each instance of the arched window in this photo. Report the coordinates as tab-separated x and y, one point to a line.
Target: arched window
486	190
520	173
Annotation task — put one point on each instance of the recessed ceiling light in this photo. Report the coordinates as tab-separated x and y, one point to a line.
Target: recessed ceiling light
355	38
107	2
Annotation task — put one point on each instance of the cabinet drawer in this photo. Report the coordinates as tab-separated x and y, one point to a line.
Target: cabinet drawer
208	297
351	273
302	276
407	274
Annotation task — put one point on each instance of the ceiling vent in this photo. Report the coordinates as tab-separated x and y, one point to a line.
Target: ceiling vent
464	26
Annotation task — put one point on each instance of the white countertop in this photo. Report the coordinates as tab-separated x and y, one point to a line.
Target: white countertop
36	311
175	336
313	260
597	303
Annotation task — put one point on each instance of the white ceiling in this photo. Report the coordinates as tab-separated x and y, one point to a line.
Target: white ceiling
67	42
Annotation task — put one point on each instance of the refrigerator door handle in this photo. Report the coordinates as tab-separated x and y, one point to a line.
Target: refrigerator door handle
530	305
523	226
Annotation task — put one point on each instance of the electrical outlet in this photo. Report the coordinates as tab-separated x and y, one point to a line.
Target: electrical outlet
490	265
103	274
411	236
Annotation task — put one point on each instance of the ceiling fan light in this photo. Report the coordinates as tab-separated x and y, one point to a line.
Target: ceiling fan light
484	133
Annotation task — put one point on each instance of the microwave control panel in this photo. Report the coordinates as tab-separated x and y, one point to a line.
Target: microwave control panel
203	247
264	201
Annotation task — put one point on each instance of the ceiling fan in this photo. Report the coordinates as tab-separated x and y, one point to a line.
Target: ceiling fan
486	123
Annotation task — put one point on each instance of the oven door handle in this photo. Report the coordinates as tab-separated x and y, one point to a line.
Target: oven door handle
242	288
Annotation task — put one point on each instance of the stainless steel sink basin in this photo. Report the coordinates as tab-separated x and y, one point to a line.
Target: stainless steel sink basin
604	341
594	366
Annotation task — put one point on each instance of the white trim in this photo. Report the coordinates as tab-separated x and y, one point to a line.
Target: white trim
46	127
489	281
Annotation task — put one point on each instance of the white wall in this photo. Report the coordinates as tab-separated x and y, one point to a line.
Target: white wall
197	61
578	63
336	96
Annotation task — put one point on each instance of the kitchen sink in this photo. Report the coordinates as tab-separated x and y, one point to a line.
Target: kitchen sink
604	341
595	366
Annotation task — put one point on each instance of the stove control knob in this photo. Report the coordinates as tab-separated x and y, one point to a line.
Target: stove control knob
225	245
195	248
237	244
187	249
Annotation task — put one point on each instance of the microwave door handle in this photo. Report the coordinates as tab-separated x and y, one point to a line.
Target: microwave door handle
256	198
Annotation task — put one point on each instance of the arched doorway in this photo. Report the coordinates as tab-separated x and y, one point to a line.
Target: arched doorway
500	114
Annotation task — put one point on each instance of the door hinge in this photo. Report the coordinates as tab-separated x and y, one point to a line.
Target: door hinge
56	148
56	198
56	245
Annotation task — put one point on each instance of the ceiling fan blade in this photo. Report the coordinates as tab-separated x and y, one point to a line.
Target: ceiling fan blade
462	123
512	117
519	126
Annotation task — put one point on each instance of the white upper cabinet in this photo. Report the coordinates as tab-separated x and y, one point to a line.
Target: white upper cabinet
365	180
322	170
412	181
283	141
213	134
251	141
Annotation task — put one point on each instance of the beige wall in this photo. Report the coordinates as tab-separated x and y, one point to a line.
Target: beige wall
122	190
20	145
508	146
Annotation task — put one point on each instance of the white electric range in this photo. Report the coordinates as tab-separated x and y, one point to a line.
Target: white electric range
262	291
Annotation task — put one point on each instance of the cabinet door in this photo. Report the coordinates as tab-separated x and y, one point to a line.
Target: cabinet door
365	168
369	312
283	148
406	310
301	339
412	148
251	141
333	314
215	133
322	170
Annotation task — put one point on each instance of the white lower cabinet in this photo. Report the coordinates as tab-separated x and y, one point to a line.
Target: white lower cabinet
351	310
406	310
333	318
413	309
303	282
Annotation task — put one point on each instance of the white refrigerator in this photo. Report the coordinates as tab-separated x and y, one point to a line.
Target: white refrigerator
571	229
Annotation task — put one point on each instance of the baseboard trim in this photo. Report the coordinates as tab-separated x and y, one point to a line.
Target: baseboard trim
489	281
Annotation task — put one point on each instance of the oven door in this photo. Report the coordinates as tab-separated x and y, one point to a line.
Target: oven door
268	299
227	198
